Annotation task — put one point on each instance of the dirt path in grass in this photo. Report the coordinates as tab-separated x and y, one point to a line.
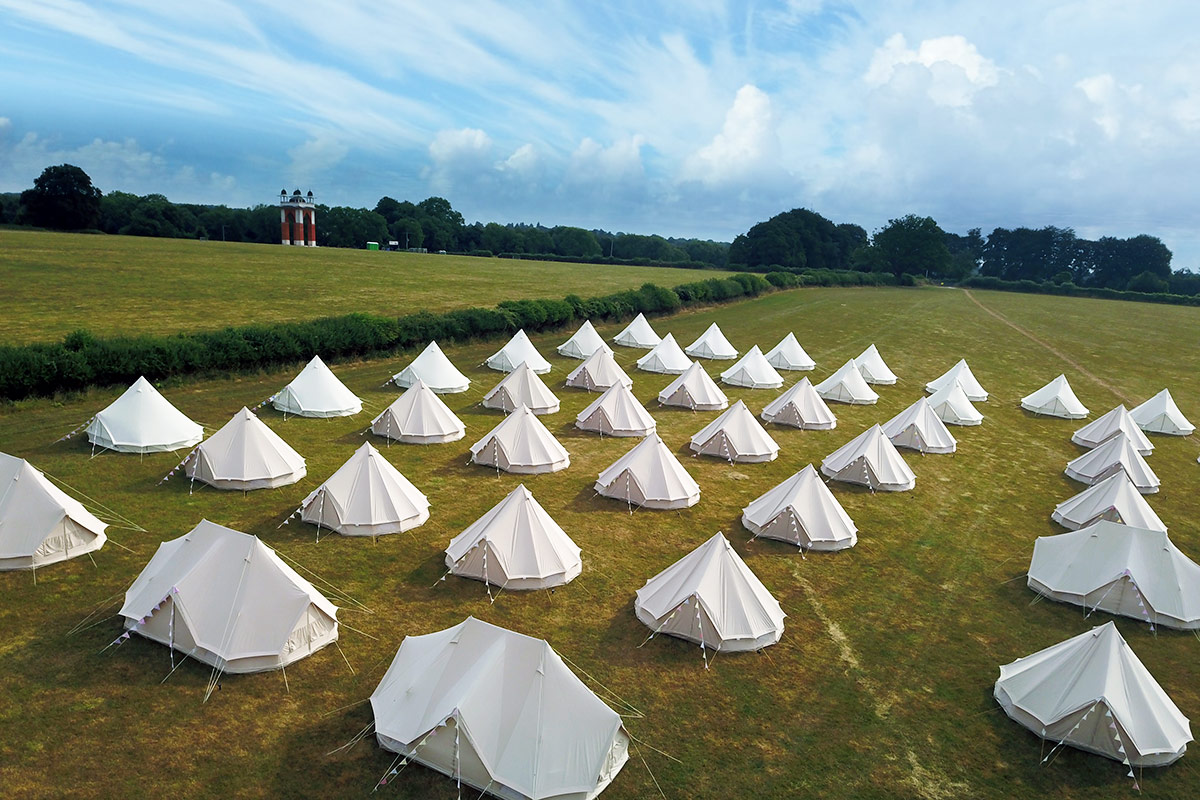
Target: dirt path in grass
1029	335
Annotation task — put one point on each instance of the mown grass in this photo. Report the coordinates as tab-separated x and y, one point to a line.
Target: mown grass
880	687
55	283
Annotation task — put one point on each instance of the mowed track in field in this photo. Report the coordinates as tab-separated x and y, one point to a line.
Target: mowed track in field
880	687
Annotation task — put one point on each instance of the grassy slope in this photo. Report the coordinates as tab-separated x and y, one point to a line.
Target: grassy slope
881	686
55	283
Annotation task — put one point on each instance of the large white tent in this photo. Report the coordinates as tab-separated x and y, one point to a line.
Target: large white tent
224	598
649	475
961	374
953	407
873	368
1133	572
1113	455
435	370
616	413
918	428
789	355
737	436
1092	692
847	385
245	454
712	598
1055	399
694	390
516	350
521	444
1115	498
515	545
1100	429
142	421
418	417
316	392
871	460
598	372
1159	414
802	511
665	357
39	523
583	342
711	344
800	407
500	712
638	333
366	496
522	387
752	371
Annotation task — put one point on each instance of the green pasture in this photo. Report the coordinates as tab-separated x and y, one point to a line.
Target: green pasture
55	283
880	688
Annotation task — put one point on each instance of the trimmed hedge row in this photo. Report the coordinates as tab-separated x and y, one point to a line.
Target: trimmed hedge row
82	360
1071	290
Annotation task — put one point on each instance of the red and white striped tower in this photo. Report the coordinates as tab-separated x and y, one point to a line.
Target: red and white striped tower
297	218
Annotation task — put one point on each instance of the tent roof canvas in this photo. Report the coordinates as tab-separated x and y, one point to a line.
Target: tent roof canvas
521	444
598	372
1055	399
873	368
918	428
435	370
736	435
1100	429
789	355
1159	414
142	421
39	523
847	385
366	496
638	333
694	389
800	407
317	392
583	342
803	511
752	371
712	344
651	476
665	357
961	374
418	416
1114	498
953	407
516	350
246	454
616	413
1113	455
521	387
871	460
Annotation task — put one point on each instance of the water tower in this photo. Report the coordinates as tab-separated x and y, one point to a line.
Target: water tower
298	218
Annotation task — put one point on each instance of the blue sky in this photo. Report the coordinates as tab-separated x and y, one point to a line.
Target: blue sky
686	119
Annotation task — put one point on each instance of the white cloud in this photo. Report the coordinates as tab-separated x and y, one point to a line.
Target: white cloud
746	147
596	165
523	161
956	70
315	157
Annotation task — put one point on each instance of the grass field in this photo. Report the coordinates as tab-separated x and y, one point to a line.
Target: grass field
880	687
55	283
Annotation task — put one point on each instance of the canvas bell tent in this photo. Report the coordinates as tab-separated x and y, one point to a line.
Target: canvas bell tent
918	428
953	407
521	387
847	385
800	407
243	455
712	598
666	357
1118	420
1159	414
874	370
1133	572
521	444
638	334
694	390
1092	692
39	523
435	370
367	496
1115	499
870	460
598	372
518	349
1113	455
737	436
789	355
650	476
316	392
224	598
515	545
1055	399
752	371
961	374
712	344
500	712
616	413
418	417
582	343
803	512
142	421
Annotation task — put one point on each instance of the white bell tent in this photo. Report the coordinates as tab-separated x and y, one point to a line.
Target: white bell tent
521	444
874	370
789	355
802	511
752	371
418	416
436	371
1159	414
1115	454
961	374
847	385
41	524
650	476
1100	429
639	334
518	349
515	545
736	436
142	421
1055	399
1092	692
870	460
953	407
583	342
694	390
1115	499
666	357
316	392
366	496
243	455
918	428
800	407
616	413
521	387
598	372
498	712
712	344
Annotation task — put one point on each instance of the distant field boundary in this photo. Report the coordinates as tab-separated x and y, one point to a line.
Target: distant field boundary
1071	290
82	360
